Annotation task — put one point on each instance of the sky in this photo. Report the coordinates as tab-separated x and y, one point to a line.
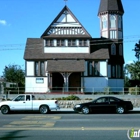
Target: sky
20	19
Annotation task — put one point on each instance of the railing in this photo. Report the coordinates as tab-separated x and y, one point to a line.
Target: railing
74	90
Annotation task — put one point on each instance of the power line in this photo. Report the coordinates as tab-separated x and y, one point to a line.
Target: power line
92	42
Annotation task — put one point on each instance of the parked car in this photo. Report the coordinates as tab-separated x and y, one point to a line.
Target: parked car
27	102
107	103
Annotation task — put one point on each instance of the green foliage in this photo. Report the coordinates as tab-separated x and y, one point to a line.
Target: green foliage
107	90
14	74
71	97
134	70
134	90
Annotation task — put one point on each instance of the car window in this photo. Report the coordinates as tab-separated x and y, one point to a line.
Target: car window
113	100
27	97
33	97
20	98
102	100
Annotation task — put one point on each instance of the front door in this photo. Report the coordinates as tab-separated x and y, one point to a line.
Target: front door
101	104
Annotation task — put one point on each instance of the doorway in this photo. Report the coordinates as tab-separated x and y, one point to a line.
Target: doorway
57	81
75	81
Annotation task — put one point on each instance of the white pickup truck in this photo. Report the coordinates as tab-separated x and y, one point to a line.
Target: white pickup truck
27	102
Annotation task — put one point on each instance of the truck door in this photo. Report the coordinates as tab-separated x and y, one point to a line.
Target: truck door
28	105
18	103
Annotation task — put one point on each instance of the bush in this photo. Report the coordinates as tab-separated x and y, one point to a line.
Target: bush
134	90
71	97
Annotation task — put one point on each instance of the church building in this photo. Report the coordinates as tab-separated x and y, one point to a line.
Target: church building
66	58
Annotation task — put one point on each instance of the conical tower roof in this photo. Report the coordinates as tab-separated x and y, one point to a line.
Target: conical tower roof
111	6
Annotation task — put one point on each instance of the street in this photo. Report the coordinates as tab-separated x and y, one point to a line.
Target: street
67	125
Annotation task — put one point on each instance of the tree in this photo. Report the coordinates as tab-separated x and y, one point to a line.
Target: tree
134	70
137	50
14	74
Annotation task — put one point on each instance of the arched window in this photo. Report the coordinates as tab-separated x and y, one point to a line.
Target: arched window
120	49
113	49
112	21
104	22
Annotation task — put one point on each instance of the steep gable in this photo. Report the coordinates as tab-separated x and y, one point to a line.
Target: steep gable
66	24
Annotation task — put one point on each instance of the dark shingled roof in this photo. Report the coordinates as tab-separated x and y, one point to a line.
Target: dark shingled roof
35	51
111	6
65	65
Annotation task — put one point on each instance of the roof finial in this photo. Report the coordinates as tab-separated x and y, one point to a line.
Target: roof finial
65	2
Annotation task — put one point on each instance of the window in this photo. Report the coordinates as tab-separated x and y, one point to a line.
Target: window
119	22
42	68
47	43
112	21
58	42
113	71
36	69
62	43
104	22
20	98
102	100
27	97
120	49
90	68
51	43
96	68
81	42
73	43
113	49
113	34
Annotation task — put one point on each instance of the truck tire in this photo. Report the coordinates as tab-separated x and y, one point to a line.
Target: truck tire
44	109
5	109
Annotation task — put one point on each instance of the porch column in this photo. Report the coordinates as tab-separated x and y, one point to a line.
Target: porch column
66	80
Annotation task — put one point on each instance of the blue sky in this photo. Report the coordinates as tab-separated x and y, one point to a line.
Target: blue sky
20	19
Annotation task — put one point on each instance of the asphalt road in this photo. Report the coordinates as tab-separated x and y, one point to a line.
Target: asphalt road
67	125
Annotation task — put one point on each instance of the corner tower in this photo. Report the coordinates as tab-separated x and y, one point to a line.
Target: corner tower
111	21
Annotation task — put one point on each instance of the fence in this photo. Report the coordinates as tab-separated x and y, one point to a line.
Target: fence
74	90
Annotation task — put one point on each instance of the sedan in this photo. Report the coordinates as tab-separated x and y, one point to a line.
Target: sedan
107	103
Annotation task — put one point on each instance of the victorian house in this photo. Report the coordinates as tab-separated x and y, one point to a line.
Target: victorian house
67	58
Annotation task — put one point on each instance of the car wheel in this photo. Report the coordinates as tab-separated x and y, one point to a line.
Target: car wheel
5	110
85	110
44	109
120	110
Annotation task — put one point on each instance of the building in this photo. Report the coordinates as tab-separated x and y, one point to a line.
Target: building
67	58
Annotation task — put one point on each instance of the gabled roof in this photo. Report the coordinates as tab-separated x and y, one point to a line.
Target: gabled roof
111	6
65	19
35	51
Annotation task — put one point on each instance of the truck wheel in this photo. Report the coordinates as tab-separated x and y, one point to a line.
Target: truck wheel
44	109
5	109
